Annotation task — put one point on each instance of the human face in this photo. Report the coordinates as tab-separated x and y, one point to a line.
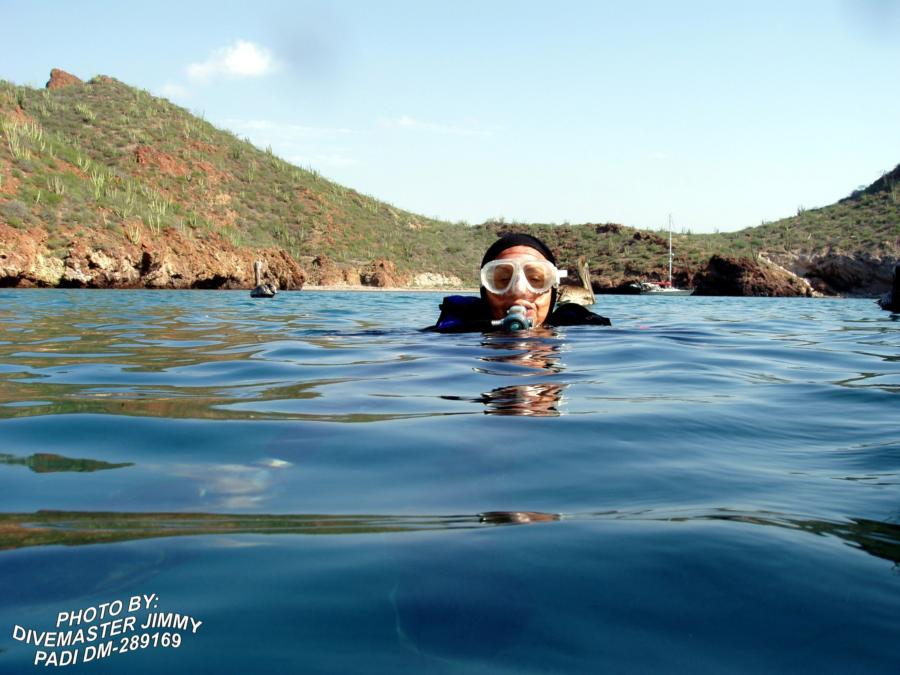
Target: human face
499	276
537	305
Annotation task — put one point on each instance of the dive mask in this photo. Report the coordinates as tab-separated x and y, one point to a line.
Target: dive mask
500	276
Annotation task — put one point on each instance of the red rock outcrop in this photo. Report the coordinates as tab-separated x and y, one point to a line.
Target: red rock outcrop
170	259
382	274
176	261
325	272
60	78
148	156
19	256
746	277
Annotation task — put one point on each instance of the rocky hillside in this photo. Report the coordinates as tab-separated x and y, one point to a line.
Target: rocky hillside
847	248
850	247
102	184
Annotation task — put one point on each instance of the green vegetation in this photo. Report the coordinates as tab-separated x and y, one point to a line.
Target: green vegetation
44	462
117	162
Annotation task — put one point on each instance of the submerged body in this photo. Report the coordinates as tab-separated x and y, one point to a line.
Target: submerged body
891	300
466	313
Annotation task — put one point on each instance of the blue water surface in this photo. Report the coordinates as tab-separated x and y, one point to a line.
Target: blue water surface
710	485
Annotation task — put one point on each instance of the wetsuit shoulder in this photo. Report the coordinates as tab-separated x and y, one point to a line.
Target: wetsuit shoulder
462	314
572	314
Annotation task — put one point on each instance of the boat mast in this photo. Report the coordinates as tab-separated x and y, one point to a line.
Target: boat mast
670	251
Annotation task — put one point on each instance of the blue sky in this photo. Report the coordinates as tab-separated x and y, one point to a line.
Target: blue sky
722	114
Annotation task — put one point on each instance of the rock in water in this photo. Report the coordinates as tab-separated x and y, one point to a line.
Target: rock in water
732	276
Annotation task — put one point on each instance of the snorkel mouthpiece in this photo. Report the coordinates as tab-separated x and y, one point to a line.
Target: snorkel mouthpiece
515	320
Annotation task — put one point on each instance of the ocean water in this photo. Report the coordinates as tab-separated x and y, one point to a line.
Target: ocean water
710	485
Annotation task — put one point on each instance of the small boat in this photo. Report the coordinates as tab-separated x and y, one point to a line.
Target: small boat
660	288
666	288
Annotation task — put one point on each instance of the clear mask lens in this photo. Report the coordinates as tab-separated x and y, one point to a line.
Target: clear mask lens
499	276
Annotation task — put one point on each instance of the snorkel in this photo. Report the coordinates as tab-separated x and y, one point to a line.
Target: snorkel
515	318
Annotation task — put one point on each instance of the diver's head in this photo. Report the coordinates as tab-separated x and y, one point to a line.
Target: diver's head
519	269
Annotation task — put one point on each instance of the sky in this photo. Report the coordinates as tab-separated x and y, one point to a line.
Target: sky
722	114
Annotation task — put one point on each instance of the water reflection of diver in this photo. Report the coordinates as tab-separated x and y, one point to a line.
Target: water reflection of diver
529	357
537	353
537	400
518	270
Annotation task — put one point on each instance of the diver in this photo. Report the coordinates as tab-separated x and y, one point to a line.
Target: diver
519	282
891	300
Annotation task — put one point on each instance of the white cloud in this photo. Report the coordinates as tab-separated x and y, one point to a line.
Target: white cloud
232	486
300	145
407	122
280	130
242	59
172	90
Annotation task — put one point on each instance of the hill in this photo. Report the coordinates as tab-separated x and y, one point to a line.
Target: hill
850	247
102	184
111	167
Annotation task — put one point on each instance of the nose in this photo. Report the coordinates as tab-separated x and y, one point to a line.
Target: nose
520	287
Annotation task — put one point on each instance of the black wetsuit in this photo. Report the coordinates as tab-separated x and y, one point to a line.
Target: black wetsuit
466	314
891	300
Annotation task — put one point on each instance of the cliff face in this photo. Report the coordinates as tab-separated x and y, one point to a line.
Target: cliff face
745	277
170	260
860	275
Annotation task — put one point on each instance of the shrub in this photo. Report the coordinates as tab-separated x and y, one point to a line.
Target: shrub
14	210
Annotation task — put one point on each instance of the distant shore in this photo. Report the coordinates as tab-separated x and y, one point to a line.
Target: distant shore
390	289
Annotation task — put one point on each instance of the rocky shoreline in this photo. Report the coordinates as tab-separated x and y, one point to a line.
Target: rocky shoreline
174	260
167	260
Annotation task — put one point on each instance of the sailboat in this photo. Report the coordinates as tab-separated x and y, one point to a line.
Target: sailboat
666	288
